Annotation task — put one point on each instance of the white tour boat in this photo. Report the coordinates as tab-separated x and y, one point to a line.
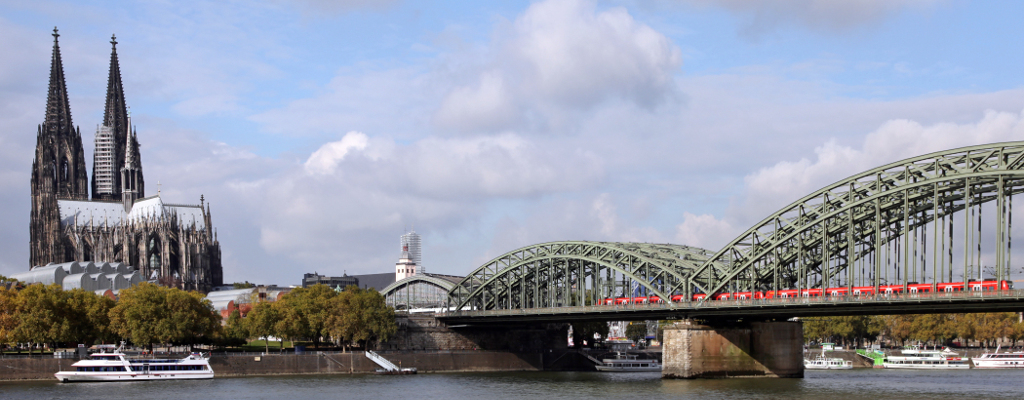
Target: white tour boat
628	363
914	357
999	360
107	367
822	362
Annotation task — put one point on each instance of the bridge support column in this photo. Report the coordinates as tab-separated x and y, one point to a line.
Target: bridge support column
733	350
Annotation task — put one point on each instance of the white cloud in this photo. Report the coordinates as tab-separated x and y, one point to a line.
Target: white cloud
325	159
771	188
560	56
705	231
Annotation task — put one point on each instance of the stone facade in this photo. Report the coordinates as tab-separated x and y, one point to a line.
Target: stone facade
754	349
174	244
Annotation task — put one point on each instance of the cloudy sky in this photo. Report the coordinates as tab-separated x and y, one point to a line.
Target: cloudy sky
322	130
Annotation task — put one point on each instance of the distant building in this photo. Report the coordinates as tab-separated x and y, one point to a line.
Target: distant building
411	241
375	281
405	267
343	281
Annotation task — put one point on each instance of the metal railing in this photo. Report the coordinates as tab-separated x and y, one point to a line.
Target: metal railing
745	303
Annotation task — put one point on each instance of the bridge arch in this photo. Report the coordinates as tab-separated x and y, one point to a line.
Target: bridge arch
568	273
887	225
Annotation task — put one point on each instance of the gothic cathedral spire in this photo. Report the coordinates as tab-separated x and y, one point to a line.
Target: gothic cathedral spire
58	171
112	136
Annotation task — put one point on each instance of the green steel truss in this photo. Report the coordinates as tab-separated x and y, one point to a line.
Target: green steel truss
889	225
573	273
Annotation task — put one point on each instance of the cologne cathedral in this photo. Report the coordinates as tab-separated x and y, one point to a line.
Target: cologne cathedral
173	244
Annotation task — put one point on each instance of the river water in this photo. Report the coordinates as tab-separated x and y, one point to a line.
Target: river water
818	385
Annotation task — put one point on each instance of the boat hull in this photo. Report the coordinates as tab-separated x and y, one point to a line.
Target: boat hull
828	367
997	364
605	368
926	366
75	376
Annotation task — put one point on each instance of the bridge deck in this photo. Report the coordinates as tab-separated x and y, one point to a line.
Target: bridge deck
970	302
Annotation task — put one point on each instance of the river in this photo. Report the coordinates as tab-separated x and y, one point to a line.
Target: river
818	385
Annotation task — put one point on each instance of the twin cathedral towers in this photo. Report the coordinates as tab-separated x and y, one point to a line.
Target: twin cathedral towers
174	244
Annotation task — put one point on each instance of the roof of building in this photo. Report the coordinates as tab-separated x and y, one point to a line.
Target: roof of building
376	281
111	213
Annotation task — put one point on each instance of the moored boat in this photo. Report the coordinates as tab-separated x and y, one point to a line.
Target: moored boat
999	360
628	363
916	358
116	367
822	362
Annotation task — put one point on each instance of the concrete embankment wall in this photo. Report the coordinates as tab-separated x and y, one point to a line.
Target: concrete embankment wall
342	363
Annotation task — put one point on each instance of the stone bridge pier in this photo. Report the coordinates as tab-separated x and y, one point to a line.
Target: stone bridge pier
733	350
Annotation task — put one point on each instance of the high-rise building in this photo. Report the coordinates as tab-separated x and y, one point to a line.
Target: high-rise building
103	163
411	241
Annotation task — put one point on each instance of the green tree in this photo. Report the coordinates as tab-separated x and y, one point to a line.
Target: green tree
8	314
636	331
43	318
261	322
91	316
141	315
305	311
1016	330
234	332
361	316
938	328
191	319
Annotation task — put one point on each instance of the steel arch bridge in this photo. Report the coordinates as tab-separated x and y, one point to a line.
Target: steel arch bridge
912	222
559	274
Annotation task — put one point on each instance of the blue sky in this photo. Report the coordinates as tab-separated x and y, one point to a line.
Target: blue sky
320	130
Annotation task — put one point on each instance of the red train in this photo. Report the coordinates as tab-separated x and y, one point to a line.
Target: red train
952	287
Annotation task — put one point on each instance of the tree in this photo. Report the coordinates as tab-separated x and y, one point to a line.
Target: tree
305	311
192	318
91	319
933	327
234	332
148	314
8	314
261	322
897	327
1017	330
140	315
242	285
42	316
361	316
636	331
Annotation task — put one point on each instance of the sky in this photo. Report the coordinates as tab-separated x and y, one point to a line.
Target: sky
319	131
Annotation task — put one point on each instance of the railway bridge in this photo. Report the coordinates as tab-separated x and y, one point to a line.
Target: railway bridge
927	234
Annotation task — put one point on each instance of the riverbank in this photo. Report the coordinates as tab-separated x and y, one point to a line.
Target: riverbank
12	369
